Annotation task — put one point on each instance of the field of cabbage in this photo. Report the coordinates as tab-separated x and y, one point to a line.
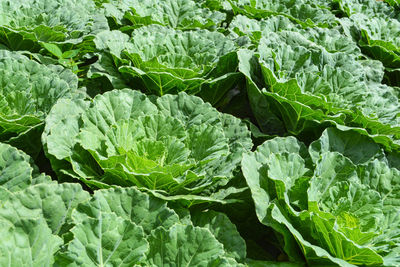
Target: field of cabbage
199	133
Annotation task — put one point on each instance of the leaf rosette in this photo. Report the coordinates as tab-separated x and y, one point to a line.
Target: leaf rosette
303	80
18	227
178	14
375	26
171	145
335	202
24	24
161	60
126	227
28	90
378	38
305	13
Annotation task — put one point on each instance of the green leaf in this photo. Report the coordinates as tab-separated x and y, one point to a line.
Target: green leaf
53	202
15	168
107	240
224	231
28	243
54	49
70	53
306	13
183	246
129	204
65	22
299	80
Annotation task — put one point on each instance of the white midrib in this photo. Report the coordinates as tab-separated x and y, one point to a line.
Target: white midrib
101	238
116	246
30	248
191	258
62	220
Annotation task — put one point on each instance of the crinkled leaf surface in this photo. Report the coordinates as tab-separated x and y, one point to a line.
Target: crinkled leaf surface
28	243
129	204
51	201
107	240
17	171
225	232
375	26
125	226
379	38
183	245
367	7
15	168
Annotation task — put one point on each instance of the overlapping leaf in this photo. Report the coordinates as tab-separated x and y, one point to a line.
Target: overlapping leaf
45	223
28	244
128	227
370	8
33	211
17	171
51	224
155	169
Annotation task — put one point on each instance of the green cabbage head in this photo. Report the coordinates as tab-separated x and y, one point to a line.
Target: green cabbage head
24	24
175	146
28	90
335	202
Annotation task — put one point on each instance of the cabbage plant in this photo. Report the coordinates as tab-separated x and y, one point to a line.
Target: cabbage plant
302	80
335	202
378	38
161	60
179	14
24	24
176	146
305	13
27	239
28	90
375	26
17	171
